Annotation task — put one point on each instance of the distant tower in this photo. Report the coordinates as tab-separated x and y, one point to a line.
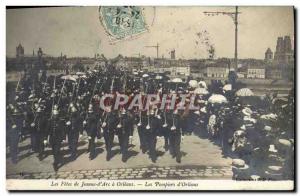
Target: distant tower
173	54
268	55
40	59
287	44
40	53
19	51
284	53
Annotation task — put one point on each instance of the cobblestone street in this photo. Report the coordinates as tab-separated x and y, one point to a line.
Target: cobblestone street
180	172
201	159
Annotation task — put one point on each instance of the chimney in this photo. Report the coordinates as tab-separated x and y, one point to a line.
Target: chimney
173	54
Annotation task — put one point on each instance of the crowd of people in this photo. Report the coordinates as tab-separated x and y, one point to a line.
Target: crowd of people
257	132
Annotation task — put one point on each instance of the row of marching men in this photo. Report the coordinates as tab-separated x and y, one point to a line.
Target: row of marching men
121	123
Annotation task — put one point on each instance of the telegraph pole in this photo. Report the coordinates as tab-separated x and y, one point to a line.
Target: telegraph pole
157	48
234	16
236	37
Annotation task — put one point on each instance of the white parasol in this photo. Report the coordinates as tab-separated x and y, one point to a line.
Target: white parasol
193	84
200	91
75	76
68	77
202	84
177	80
244	92
217	98
145	75
83	76
227	87
158	77
80	73
270	116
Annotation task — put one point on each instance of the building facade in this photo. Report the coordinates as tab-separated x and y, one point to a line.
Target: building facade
19	51
217	72
258	72
274	72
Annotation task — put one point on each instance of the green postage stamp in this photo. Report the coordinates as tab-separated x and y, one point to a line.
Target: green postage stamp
122	22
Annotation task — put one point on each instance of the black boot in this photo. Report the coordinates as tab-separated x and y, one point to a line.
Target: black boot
124	158
178	159
166	148
40	156
55	167
108	156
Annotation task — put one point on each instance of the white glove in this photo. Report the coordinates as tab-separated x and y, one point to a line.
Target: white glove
84	122
89	137
68	123
32	124
45	142
14	126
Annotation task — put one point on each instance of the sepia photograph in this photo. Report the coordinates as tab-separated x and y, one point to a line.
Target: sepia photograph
172	98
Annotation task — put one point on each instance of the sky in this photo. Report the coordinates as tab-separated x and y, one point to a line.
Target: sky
77	31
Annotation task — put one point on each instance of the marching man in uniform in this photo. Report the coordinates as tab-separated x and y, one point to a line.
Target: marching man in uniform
14	126
151	131
56	133
109	126
124	131
91	129
38	126
73	128
175	134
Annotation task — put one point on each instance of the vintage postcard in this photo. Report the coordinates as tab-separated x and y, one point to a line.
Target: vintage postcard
150	98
